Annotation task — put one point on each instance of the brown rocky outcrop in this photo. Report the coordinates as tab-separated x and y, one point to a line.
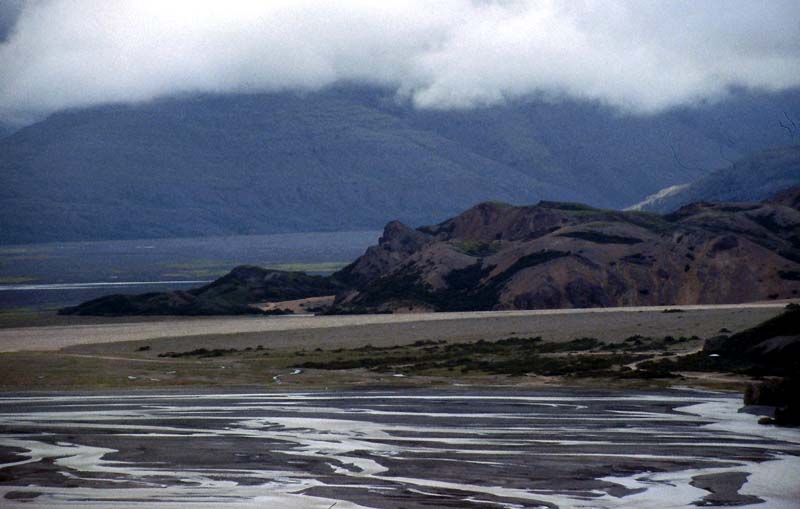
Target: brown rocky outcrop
561	255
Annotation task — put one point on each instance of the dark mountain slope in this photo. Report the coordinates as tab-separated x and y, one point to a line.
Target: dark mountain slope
5	130
345	158
217	168
753	178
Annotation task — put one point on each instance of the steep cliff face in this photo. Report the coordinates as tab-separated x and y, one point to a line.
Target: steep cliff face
555	255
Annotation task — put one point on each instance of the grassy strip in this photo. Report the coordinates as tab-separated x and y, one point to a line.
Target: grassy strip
581	357
426	361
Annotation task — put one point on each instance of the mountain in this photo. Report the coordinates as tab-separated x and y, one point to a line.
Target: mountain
6	130
496	256
750	179
561	255
788	197
348	158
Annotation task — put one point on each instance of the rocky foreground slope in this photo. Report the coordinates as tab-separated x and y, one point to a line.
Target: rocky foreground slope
549	255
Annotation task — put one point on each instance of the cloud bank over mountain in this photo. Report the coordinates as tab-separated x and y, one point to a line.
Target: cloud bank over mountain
640	56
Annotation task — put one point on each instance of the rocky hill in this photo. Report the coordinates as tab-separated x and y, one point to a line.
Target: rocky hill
231	294
753	178
561	255
348	158
496	256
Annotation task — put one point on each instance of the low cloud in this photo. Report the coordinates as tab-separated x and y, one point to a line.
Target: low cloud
640	56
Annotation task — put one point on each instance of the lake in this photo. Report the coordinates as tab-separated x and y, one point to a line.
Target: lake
411	449
61	274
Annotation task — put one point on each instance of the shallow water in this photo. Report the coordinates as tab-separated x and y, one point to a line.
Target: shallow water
554	448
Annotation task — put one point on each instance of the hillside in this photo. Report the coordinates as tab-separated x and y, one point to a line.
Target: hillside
231	294
347	158
496	256
753	178
560	255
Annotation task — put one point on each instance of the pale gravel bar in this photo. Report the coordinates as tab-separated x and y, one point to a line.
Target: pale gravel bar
348	330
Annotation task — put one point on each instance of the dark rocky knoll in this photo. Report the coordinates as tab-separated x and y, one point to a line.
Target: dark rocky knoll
775	342
550	255
770	351
231	294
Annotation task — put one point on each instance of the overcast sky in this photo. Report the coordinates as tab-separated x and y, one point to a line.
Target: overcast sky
640	56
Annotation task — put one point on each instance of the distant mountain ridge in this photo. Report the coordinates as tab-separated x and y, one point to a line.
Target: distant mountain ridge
496	256
753	178
347	158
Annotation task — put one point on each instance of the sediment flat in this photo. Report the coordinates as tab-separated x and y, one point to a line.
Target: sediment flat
606	324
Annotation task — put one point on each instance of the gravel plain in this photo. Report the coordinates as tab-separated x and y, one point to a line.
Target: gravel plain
607	324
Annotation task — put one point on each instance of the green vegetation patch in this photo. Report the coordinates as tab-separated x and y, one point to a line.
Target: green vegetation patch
203	353
511	356
466	289
477	248
568	206
15	280
647	344
514	356
308	267
601	238
531	260
196	269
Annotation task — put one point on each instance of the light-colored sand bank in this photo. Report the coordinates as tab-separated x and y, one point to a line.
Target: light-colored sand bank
346	331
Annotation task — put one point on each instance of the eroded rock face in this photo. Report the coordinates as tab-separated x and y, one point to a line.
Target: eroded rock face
397	243
554	255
